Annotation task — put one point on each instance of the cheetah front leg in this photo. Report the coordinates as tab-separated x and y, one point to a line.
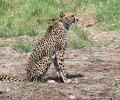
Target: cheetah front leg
59	66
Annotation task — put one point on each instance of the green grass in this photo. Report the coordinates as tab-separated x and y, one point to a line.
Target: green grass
78	38
23	46
115	42
29	17
2	45
2	56
107	12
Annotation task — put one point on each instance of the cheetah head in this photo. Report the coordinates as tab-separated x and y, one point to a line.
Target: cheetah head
68	18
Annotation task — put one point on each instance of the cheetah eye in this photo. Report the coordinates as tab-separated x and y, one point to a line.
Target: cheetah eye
53	20
72	15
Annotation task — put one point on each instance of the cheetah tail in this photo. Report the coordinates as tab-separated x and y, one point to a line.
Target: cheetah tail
10	78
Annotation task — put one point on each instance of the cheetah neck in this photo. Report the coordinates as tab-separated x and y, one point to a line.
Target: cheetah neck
56	28
66	26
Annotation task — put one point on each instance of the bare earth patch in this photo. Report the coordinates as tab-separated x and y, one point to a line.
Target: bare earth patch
94	73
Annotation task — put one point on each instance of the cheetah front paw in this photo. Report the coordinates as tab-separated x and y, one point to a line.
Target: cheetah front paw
62	78
65	80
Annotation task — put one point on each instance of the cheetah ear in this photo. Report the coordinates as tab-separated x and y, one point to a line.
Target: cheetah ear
61	14
52	20
50	27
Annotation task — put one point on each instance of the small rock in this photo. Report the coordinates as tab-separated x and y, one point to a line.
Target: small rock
69	80
72	97
51	81
76	80
84	58
7	90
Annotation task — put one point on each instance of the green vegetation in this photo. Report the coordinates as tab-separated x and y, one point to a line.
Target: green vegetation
23	46
2	45
107	12
30	17
78	38
2	55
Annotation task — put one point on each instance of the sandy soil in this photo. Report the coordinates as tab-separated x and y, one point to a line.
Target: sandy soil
94	73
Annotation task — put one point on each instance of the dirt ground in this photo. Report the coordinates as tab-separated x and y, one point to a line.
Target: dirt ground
94	73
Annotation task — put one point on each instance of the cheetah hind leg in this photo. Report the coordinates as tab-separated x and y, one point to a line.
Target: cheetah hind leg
44	77
39	70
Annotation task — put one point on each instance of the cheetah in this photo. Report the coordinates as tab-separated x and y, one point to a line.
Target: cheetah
51	48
